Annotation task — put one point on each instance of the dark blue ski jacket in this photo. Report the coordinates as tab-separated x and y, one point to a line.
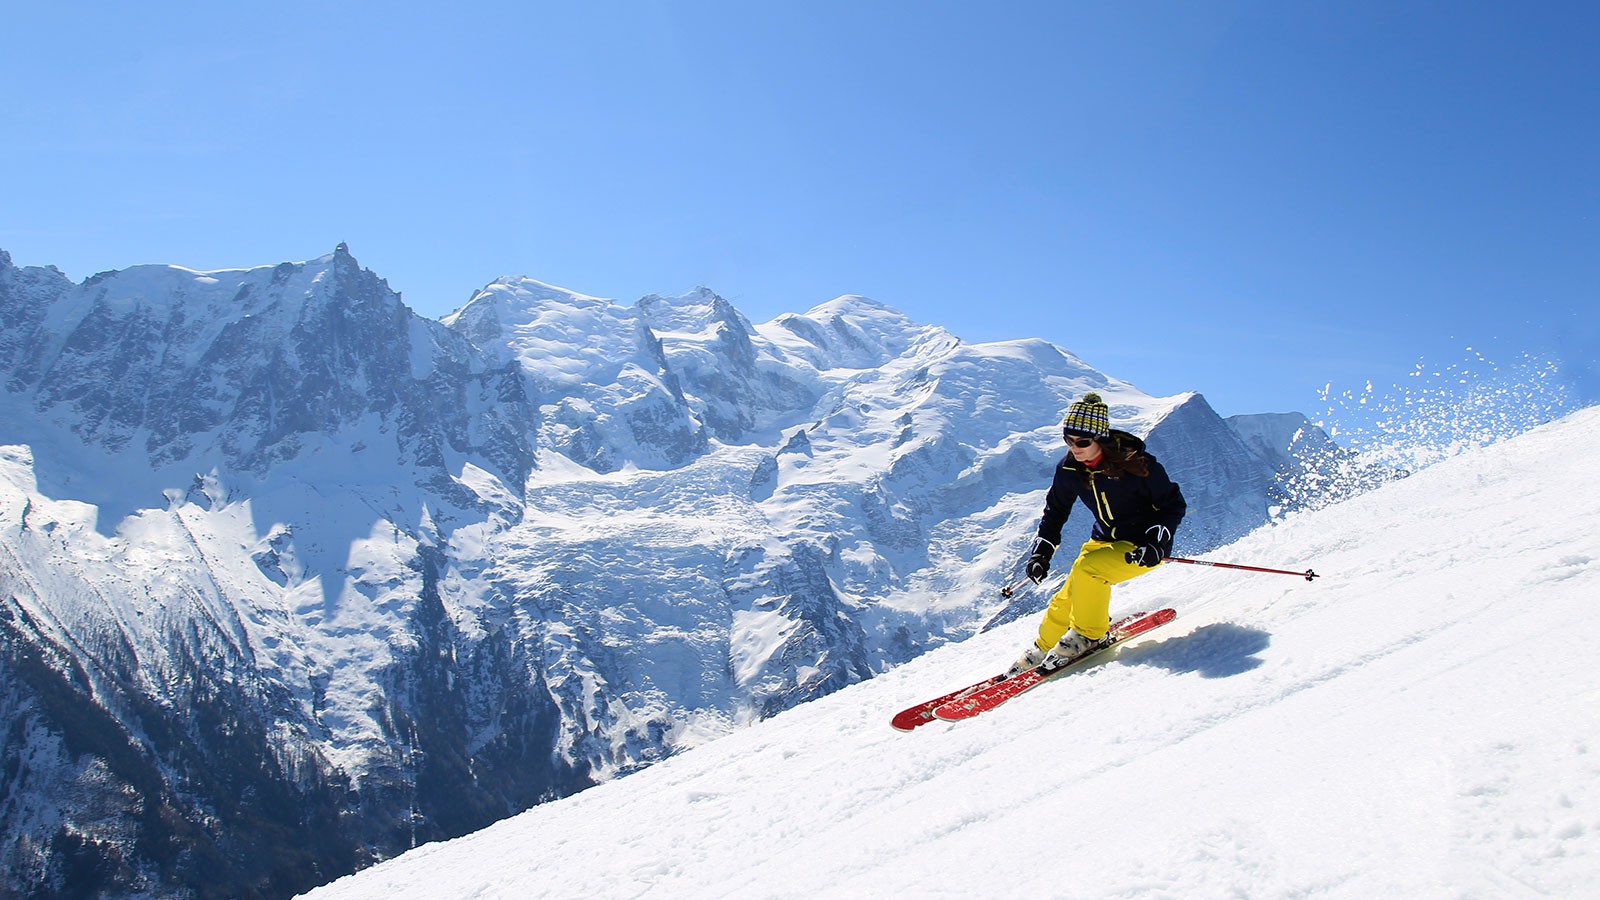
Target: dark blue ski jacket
1124	506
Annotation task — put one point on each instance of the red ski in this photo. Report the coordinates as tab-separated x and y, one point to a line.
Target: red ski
984	698
922	713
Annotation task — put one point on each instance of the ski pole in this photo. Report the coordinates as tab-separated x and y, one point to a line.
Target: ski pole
1307	574
1015	586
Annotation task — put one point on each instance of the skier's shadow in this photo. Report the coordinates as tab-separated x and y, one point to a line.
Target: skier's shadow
1220	650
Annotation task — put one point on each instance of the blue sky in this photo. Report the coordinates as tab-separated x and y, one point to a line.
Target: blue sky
1248	199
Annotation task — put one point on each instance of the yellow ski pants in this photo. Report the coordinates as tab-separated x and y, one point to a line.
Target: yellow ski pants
1084	602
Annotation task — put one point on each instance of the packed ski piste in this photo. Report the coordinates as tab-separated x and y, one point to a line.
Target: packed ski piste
1419	721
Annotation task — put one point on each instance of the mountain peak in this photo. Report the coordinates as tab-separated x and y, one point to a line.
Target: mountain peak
857	306
852	331
693	312
340	259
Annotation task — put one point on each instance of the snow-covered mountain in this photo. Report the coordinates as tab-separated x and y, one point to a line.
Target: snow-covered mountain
294	579
1418	722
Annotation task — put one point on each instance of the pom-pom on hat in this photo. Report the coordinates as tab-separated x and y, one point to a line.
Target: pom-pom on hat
1089	417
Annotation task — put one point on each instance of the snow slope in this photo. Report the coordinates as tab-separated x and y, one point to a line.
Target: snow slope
1419	722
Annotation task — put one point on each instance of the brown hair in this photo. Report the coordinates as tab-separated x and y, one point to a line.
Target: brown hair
1118	460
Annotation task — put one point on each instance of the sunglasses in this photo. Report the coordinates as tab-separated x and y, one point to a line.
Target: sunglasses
1079	442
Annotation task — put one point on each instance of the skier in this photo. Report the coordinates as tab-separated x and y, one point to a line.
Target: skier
1136	510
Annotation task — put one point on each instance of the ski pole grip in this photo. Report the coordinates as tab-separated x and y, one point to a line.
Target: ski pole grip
1011	588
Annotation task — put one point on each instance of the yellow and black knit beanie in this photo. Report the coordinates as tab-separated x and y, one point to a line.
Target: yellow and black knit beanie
1088	417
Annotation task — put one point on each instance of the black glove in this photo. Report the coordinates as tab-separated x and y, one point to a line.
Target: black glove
1147	555
1156	547
1039	561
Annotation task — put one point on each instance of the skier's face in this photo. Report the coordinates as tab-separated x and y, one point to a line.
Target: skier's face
1083	449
